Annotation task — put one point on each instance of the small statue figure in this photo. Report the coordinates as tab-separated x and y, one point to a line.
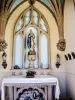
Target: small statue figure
4	63
31	46
30	41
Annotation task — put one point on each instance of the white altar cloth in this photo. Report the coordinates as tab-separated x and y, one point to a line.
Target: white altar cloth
42	79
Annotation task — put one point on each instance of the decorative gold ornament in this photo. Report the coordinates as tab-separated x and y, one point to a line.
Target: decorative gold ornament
3	45
61	45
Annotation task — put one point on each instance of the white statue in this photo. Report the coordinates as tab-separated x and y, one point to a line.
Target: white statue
31	46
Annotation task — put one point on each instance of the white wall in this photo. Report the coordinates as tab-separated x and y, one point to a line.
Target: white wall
59	73
69	29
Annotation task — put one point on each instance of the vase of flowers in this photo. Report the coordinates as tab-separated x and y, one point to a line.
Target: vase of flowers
30	74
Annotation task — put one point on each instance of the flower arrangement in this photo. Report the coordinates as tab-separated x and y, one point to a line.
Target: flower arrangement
30	74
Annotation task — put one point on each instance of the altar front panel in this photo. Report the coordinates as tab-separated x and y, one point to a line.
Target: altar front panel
32	82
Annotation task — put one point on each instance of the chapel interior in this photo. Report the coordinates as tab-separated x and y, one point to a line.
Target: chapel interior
37	36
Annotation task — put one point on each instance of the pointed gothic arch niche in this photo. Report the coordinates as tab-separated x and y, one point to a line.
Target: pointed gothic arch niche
51	26
34	29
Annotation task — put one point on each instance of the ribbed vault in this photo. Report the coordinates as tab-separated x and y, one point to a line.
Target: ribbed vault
56	7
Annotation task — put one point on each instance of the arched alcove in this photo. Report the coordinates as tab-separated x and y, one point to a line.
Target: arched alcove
11	24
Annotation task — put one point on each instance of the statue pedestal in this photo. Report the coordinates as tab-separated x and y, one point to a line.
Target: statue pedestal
31	59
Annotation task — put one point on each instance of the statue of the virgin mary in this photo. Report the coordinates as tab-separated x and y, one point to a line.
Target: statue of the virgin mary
31	46
30	41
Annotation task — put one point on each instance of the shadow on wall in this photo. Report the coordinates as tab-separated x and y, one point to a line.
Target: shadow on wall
69	56
67	98
0	95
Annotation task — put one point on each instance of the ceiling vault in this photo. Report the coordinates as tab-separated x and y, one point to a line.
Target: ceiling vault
4	13
57	9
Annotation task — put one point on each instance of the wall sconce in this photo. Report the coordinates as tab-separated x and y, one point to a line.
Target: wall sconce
58	60
4	64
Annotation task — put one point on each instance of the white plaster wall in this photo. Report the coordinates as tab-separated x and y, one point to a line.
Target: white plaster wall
59	73
69	29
